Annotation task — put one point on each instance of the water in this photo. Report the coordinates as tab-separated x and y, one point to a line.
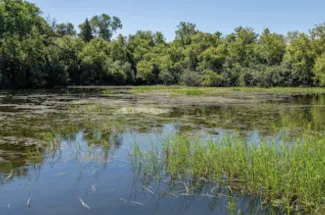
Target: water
67	151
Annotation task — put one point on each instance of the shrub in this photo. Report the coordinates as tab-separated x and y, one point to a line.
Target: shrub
167	77
191	78
211	79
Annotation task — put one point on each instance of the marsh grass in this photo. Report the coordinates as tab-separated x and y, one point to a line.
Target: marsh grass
108	91
148	89
279	90
220	91
286	174
173	90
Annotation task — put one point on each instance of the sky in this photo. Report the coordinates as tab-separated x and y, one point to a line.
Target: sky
279	16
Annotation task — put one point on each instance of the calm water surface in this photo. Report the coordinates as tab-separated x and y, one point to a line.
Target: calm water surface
68	151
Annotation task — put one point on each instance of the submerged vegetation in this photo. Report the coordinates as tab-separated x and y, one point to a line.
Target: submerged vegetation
286	173
36	52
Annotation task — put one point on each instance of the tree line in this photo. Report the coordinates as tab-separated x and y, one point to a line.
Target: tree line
38	52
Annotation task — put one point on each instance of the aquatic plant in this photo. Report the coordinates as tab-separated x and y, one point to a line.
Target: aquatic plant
287	174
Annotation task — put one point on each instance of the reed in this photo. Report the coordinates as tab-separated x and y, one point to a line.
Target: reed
288	174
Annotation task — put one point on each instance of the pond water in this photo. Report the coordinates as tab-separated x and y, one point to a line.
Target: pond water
68	151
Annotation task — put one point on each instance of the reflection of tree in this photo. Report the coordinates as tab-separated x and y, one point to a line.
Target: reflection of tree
19	153
16	155
296	111
317	111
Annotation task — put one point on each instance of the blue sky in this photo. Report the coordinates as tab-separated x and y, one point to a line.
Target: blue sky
209	15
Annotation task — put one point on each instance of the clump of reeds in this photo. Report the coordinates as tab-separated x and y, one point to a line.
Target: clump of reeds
288	174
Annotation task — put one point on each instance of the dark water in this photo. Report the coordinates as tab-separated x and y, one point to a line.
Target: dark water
67	151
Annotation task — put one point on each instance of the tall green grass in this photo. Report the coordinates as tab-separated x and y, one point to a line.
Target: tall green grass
289	174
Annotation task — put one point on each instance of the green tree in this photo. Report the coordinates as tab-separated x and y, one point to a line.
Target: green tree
319	70
317	35
213	58
24	35
118	49
271	48
65	29
211	79
159	38
184	31
86	31
241	44
64	53
191	78
104	26
18	17
138	45
145	72
167	77
291	35
39	53
299	58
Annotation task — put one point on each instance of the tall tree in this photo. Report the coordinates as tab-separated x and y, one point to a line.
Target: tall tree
105	26
159	38
241	45
300	58
65	29
271	48
23	39
86	31
317	35
319	70
184	31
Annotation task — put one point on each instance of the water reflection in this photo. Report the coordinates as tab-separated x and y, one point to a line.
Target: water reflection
57	147
102	177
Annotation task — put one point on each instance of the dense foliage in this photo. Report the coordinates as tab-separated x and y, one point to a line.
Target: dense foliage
35	52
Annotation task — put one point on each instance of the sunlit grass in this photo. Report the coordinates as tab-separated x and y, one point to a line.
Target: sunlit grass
148	89
279	90
172	90
108	91
288	174
219	91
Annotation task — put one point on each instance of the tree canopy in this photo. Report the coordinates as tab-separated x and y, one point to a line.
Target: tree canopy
35	53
